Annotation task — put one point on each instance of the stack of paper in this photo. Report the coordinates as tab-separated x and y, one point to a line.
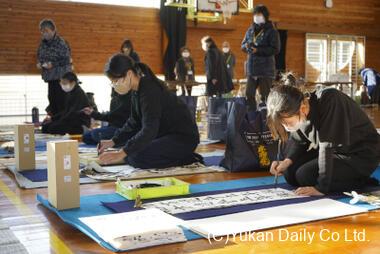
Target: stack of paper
138	229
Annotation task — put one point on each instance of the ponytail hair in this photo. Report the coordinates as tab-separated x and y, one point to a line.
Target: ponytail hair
283	101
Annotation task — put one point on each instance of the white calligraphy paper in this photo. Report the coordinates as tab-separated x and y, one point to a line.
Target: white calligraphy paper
184	205
138	229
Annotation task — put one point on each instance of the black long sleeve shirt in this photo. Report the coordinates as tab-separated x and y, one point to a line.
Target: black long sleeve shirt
120	109
155	112
75	101
338	127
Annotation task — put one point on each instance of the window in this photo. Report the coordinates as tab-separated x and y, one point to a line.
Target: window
135	3
20	93
334	57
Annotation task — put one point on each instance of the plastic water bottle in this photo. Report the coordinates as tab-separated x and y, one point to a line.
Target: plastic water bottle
35	115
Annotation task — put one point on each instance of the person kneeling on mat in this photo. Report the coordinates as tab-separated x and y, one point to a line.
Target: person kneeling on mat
120	107
333	145
160	131
71	119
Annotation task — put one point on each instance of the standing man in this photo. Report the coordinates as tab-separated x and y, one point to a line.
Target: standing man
54	60
261	43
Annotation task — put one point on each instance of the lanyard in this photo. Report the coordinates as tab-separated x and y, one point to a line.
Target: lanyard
188	65
228	58
258	35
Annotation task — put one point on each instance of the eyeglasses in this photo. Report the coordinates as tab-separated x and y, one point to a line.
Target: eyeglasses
114	83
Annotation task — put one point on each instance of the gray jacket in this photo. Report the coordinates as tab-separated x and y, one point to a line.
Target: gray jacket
58	52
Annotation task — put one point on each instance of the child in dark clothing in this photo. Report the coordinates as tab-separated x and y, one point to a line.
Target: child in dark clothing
71	119
184	70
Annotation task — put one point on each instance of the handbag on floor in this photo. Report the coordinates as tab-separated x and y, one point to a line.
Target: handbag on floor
217	117
249	145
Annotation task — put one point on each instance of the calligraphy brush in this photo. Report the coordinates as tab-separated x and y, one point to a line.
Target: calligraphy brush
278	161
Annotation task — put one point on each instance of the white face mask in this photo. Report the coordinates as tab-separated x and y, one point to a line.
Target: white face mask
204	46
291	129
126	51
300	124
67	88
259	19
185	54
226	50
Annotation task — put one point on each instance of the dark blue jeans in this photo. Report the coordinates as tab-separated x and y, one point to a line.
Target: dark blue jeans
93	137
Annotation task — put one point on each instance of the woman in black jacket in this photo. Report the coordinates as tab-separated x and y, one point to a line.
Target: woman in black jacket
261	43
184	70
160	132
333	145
127	49
218	80
71	119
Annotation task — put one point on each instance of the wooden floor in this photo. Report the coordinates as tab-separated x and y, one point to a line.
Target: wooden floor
43	232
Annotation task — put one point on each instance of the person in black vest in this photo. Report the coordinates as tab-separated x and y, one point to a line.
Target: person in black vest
333	145
184	70
120	109
127	49
160	132
229	58
71	119
54	60
261	43
218	80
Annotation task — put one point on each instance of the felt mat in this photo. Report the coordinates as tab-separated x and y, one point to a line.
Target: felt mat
126	172
128	205
38	178
92	205
7	151
40	173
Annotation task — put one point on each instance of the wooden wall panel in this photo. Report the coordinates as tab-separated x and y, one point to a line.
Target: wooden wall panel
372	52
238	24
96	31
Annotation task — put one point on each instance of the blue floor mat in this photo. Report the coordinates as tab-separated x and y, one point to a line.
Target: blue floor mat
212	160
40	174
92	205
40	146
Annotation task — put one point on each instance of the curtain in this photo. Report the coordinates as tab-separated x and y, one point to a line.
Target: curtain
281	57
173	21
